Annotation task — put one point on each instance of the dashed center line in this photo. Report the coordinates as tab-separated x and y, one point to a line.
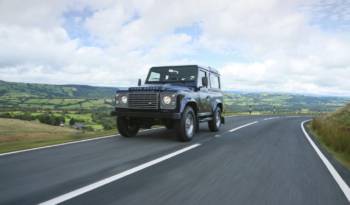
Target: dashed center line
270	118
116	177
245	125
96	185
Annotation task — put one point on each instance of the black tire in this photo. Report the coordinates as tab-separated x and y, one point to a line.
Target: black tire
215	124
169	126
126	128
186	126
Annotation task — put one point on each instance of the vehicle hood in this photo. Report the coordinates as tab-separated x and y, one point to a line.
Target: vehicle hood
161	88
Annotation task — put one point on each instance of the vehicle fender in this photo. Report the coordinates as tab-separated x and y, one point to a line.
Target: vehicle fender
185	100
216	103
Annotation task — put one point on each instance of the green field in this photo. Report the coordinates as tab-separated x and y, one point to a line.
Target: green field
69	105
38	97
92	105
279	103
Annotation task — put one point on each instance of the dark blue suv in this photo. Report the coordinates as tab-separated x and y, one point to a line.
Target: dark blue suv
179	97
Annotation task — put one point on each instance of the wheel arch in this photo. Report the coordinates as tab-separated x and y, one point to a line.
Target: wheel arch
189	102
218	103
221	106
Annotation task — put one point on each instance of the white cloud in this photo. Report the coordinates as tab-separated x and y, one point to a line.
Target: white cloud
280	45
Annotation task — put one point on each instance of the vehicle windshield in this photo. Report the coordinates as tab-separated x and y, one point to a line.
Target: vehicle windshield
172	74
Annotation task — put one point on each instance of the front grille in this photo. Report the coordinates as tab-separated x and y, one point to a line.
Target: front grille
143	100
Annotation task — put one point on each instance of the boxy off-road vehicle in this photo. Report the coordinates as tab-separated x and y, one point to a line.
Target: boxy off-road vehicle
179	97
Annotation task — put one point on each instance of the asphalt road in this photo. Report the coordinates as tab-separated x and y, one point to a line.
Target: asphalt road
252	160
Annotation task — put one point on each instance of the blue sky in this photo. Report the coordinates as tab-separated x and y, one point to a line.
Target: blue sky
74	25
272	46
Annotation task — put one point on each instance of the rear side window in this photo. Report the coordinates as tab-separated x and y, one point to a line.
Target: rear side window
200	76
214	81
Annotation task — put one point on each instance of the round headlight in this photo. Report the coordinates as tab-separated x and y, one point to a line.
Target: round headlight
124	99
167	100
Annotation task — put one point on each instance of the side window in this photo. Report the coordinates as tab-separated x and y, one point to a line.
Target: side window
200	76
214	81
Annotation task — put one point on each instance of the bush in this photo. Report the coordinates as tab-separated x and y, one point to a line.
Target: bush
6	115
105	119
72	122
107	126
46	119
51	119
26	116
88	128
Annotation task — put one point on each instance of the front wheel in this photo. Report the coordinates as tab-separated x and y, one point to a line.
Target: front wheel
126	127
169	125
186	126
215	123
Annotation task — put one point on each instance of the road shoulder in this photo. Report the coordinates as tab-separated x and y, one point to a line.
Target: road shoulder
341	169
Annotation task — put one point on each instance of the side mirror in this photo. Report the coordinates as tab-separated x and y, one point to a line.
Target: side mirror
139	82
205	82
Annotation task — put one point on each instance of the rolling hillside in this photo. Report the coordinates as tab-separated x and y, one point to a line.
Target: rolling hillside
282	103
10	89
19	96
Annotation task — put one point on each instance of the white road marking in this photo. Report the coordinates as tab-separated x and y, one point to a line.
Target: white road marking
270	118
116	177
217	136
340	181
66	143
55	145
293	116
245	125
229	116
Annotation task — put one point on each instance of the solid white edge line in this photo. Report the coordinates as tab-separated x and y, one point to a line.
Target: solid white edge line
242	126
116	177
66	143
340	181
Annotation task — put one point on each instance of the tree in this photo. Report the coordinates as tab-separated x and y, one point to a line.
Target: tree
46	119
72	122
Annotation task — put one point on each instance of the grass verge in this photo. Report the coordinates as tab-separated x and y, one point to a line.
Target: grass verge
333	132
18	135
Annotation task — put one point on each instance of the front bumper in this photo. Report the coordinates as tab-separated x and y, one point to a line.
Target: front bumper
146	114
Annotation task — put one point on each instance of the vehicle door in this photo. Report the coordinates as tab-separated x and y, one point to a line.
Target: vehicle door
214	90
204	98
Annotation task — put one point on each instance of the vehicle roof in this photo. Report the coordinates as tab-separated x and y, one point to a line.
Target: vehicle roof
207	68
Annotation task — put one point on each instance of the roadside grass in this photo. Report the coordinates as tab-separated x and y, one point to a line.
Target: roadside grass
18	135
84	117
333	132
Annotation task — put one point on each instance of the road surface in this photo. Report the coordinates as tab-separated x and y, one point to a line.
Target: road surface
252	160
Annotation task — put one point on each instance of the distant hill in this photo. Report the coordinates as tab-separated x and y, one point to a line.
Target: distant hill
43	96
281	102
11	89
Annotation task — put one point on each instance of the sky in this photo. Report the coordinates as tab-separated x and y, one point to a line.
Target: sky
294	46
